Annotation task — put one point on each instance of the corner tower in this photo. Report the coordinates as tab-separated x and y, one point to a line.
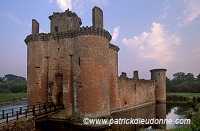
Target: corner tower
159	75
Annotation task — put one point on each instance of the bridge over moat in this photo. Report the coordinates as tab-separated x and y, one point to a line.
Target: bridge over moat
19	116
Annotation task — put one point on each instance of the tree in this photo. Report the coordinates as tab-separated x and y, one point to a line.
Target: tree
179	77
189	77
11	77
13	84
169	85
198	77
1	79
183	83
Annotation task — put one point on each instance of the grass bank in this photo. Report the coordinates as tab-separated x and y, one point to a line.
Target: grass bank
193	97
189	95
11	97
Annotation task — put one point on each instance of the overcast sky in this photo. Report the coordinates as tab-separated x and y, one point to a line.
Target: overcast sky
150	33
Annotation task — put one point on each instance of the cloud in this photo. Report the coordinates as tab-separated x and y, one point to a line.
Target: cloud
191	11
18	21
63	4
197	52
12	17
115	33
79	5
100	2
50	1
166	7
157	44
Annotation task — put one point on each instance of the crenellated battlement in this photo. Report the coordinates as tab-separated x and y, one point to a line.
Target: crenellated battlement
134	78
114	47
67	13
70	34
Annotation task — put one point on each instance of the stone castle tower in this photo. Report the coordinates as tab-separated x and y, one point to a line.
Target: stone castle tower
78	66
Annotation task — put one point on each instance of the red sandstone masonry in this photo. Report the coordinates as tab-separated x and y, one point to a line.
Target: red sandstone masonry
135	92
79	67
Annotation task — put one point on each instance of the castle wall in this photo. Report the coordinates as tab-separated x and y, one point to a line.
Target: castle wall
59	73
113	75
37	72
132	92
91	75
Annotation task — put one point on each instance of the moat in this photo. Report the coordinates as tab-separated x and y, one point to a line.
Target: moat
173	111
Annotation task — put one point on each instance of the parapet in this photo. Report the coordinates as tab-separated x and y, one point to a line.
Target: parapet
158	70
69	34
114	47
63	14
123	74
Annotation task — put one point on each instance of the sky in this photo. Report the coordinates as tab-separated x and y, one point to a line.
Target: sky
150	33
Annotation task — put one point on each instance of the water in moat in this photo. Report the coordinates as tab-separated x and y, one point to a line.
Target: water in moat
13	105
160	111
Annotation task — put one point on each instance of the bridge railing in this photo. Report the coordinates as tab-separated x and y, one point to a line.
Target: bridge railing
31	110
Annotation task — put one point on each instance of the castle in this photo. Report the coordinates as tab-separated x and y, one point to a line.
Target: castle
78	66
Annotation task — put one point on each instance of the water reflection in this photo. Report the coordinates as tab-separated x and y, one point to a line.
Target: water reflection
178	111
159	111
13	105
147	112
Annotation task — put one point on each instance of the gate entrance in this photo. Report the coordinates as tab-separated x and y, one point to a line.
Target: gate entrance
59	85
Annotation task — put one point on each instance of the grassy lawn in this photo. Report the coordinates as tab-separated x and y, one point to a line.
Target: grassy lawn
189	95
6	97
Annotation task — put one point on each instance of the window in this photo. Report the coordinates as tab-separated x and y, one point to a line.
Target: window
79	61
56	28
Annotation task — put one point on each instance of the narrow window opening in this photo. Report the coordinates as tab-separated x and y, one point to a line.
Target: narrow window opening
158	74
37	67
125	102
58	66
79	61
58	49
56	28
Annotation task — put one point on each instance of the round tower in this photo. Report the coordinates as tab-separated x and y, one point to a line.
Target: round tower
91	73
36	66
159	75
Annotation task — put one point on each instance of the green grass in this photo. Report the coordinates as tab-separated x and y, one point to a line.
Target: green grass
7	97
189	95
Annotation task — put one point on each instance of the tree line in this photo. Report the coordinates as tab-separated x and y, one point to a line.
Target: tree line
183	83
180	83
13	84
